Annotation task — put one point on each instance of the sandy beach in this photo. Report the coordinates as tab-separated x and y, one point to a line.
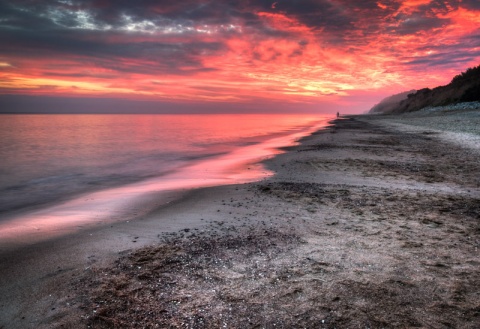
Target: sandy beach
373	222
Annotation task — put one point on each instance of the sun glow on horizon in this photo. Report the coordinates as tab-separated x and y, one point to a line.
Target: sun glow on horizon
305	53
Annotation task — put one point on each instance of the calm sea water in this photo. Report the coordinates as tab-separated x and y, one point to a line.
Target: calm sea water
47	159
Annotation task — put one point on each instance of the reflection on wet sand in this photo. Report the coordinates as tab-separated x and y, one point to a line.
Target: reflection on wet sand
122	203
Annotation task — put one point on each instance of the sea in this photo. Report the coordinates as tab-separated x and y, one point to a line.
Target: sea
66	169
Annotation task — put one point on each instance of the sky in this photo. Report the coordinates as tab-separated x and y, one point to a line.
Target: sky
229	56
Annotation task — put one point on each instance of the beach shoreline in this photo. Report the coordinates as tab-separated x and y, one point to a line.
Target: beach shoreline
363	224
105	206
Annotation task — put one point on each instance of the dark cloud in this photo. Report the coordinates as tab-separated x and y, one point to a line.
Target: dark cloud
97	31
331	17
456	58
154	56
13	17
324	15
445	55
45	29
470	4
337	21
182	12
464	43
412	24
79	75
27	14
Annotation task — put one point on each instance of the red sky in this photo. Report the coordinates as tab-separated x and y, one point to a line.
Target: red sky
322	55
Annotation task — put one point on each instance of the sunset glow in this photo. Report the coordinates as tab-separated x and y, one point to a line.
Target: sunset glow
295	54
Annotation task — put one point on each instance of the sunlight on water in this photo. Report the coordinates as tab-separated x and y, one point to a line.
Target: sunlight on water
128	157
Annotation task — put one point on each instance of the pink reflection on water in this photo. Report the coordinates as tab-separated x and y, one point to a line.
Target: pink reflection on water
116	204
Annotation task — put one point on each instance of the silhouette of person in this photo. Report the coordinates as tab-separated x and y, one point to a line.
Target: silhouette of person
338	114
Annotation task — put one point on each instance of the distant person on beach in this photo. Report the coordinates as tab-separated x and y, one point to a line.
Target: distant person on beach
338	114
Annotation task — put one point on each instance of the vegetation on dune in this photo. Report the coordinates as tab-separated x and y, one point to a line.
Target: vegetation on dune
464	87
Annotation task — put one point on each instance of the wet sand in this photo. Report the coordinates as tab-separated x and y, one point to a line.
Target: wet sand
369	223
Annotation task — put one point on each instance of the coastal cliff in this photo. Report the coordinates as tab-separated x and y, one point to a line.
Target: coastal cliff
464	87
390	103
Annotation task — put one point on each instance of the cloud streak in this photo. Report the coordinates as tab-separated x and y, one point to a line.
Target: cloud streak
299	52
